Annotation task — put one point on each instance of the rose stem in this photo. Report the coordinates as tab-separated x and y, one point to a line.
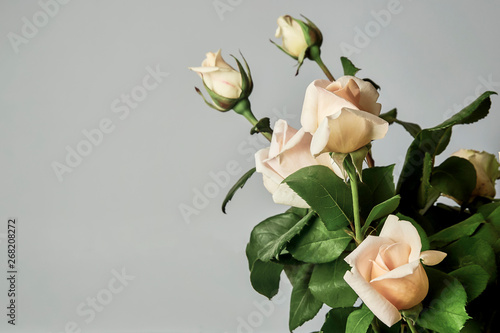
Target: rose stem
351	171
314	54
412	328
243	108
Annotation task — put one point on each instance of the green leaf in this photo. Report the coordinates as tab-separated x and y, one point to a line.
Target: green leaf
427	195
421	232
328	284
434	141
262	126
349	68
471	251
456	177
390	116
317	245
380	181
473	278
325	192
336	320
303	305
382	209
456	231
411	128
273	248
267	232
359	320
444	306
265	278
239	184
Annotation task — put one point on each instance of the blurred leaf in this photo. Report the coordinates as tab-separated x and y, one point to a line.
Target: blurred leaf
316	244
336	320
456	231
239	184
359	320
455	177
444	306
411	128
325	192
421	232
303	305
390	116
265	277
349	68
328	284
473	278
427	195
471	251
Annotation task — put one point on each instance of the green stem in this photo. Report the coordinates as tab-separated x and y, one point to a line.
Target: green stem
315	54
375	326
412	328
351	171
243	108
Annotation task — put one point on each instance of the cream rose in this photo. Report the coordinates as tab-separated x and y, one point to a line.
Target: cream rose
294	42
289	151
387	273
487	172
342	115
219	76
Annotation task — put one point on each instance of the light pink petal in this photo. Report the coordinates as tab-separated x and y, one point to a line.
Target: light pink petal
367	251
403	232
394	255
431	257
286	196
368	94
309	116
264	168
399	272
320	138
380	306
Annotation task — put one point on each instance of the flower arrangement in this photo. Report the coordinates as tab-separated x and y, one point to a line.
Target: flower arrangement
384	257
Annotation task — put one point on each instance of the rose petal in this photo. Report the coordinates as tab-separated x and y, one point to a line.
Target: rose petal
309	116
399	272
366	251
350	131
368	94
402	232
379	305
286	196
394	255
431	257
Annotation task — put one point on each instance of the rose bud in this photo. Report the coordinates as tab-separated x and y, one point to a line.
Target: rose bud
225	85
387	273
298	37
289	151
487	172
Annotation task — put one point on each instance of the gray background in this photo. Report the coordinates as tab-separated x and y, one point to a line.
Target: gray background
120	208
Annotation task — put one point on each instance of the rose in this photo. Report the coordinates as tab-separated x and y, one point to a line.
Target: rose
487	171
289	151
294	41
342	115
386	270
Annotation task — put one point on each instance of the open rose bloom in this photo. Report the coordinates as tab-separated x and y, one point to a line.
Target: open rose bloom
289	151
342	115
387	272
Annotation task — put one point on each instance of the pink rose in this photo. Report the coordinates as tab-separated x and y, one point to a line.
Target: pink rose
342	115
386	270
289	151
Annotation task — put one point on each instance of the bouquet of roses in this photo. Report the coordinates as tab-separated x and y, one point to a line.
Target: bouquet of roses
384	257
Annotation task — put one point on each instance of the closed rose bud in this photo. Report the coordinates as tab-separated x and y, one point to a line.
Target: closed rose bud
289	151
294	41
487	171
387	273
225	85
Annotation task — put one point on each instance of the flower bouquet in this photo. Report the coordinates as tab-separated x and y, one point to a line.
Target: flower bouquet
384	257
